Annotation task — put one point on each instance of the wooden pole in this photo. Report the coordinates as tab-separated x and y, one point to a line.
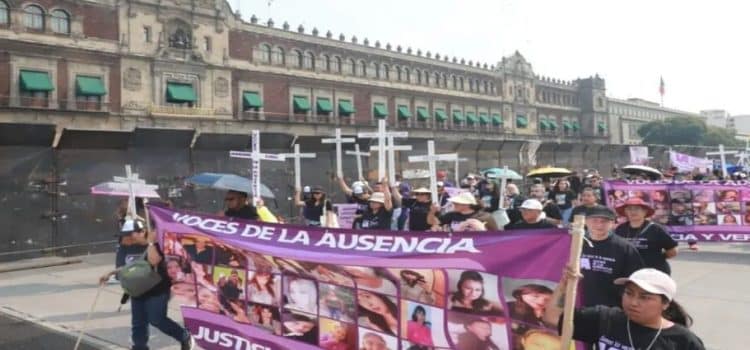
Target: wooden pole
576	245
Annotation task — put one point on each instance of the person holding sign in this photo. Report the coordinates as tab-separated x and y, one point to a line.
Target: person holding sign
649	319
418	207
652	241
315	207
465	207
604	258
378	214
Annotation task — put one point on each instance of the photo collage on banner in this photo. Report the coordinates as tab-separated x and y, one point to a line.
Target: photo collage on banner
357	307
687	206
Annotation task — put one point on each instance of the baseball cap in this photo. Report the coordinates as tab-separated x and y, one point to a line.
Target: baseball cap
358	189
130	226
600	211
652	281
532	204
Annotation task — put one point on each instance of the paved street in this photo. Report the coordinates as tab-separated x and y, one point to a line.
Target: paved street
713	287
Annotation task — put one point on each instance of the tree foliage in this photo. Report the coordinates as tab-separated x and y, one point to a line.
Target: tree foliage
685	131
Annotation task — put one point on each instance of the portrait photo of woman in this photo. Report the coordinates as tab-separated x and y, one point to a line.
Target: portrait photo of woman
263	287
300	327
336	335
300	295
424	286
418	327
377	311
336	302
266	317
528	338
374	279
209	301
369	340
529	302
472	295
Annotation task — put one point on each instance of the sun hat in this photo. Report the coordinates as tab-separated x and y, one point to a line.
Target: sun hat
652	281
464	198
377	197
634	202
531	204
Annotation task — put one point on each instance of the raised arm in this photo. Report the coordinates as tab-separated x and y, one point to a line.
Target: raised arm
388	205
556	304
298	198
344	187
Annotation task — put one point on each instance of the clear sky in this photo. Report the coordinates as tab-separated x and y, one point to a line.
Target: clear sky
701	48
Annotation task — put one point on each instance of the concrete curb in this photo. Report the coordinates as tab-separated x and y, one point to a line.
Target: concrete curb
37	264
73	333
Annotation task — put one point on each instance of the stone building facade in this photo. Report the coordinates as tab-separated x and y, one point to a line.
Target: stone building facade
194	64
626	116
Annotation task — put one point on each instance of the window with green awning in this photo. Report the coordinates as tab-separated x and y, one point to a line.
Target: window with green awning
552	124
379	111
251	100
543	124
602	127
471	118
89	86
484	119
458	117
345	108
180	93
497	120
31	80
301	104
324	105
440	115
422	113
576	126
567	125
521	121
404	112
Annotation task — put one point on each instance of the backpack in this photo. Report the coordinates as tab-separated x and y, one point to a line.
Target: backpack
138	277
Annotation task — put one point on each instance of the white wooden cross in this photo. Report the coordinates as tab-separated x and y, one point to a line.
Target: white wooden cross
255	157
503	182
359	156
390	150
338	140
722	153
458	169
297	164
131	179
382	136
431	159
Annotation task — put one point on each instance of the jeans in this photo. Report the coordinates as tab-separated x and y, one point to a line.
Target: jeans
153	310
394	219
566	215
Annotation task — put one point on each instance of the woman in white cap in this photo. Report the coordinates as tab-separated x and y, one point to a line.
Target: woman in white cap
379	212
465	207
650	318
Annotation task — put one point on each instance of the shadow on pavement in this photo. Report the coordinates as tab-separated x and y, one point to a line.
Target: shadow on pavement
17	334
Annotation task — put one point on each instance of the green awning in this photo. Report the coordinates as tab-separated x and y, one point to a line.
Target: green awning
543	124
521	121
422	113
552	124
440	115
380	111
601	126
404	112
35	81
576	126
484	119
567	125
180	93
251	99
324	105
458	117
497	120
471	118
89	86
345	108
301	104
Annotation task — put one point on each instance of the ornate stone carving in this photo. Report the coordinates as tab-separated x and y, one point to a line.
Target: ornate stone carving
132	79
221	87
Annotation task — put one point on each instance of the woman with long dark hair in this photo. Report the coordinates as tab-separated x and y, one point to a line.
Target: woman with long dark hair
262	288
469	295
650	318
314	207
417	330
377	311
529	304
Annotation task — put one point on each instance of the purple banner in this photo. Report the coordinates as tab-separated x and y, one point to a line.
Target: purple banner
691	210
249	285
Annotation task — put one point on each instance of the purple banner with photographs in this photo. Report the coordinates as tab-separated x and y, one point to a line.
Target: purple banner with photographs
691	210
250	285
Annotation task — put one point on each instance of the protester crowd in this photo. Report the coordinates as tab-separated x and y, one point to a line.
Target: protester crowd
628	295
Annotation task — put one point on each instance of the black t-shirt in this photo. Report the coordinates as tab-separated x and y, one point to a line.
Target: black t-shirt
523	225
607	328
651	240
552	211
601	264
313	212
248	212
564	199
379	221
417	214
165	284
514	214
